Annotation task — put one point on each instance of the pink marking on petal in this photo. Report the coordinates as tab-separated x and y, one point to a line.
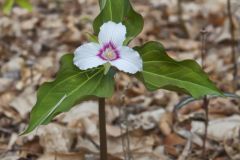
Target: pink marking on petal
110	46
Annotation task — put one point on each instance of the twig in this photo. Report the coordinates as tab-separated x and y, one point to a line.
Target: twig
130	157
204	35
235	67
129	153
91	140
120	104
102	129
124	136
205	107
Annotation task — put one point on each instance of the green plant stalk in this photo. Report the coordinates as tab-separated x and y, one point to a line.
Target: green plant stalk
102	129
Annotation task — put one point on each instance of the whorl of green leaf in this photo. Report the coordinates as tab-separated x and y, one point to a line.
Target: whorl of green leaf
161	71
70	86
119	11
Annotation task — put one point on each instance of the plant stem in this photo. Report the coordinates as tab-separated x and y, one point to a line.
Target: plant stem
204	35
205	107
102	129
235	67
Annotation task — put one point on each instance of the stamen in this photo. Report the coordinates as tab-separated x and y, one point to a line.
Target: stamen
109	55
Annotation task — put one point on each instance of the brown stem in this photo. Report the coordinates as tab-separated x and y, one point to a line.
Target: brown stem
203	48
235	67
102	129
205	107
125	138
204	35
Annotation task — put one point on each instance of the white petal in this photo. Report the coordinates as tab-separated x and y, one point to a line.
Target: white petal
129	61
85	56
110	31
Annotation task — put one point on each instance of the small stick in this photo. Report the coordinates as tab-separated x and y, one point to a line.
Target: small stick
235	67
129	153
102	129
122	137
125	138
121	104
205	107
130	157
205	99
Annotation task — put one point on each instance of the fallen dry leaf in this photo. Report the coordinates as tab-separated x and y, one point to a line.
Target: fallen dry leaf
216	131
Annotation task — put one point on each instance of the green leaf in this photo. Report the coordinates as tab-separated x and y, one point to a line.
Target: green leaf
161	71
102	4
25	4
92	38
70	87
119	11
7	6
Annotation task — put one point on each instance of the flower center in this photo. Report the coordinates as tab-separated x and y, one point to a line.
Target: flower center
108	52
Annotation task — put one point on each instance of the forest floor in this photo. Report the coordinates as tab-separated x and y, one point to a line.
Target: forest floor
145	127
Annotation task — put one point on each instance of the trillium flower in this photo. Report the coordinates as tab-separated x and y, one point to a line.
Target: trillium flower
110	50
